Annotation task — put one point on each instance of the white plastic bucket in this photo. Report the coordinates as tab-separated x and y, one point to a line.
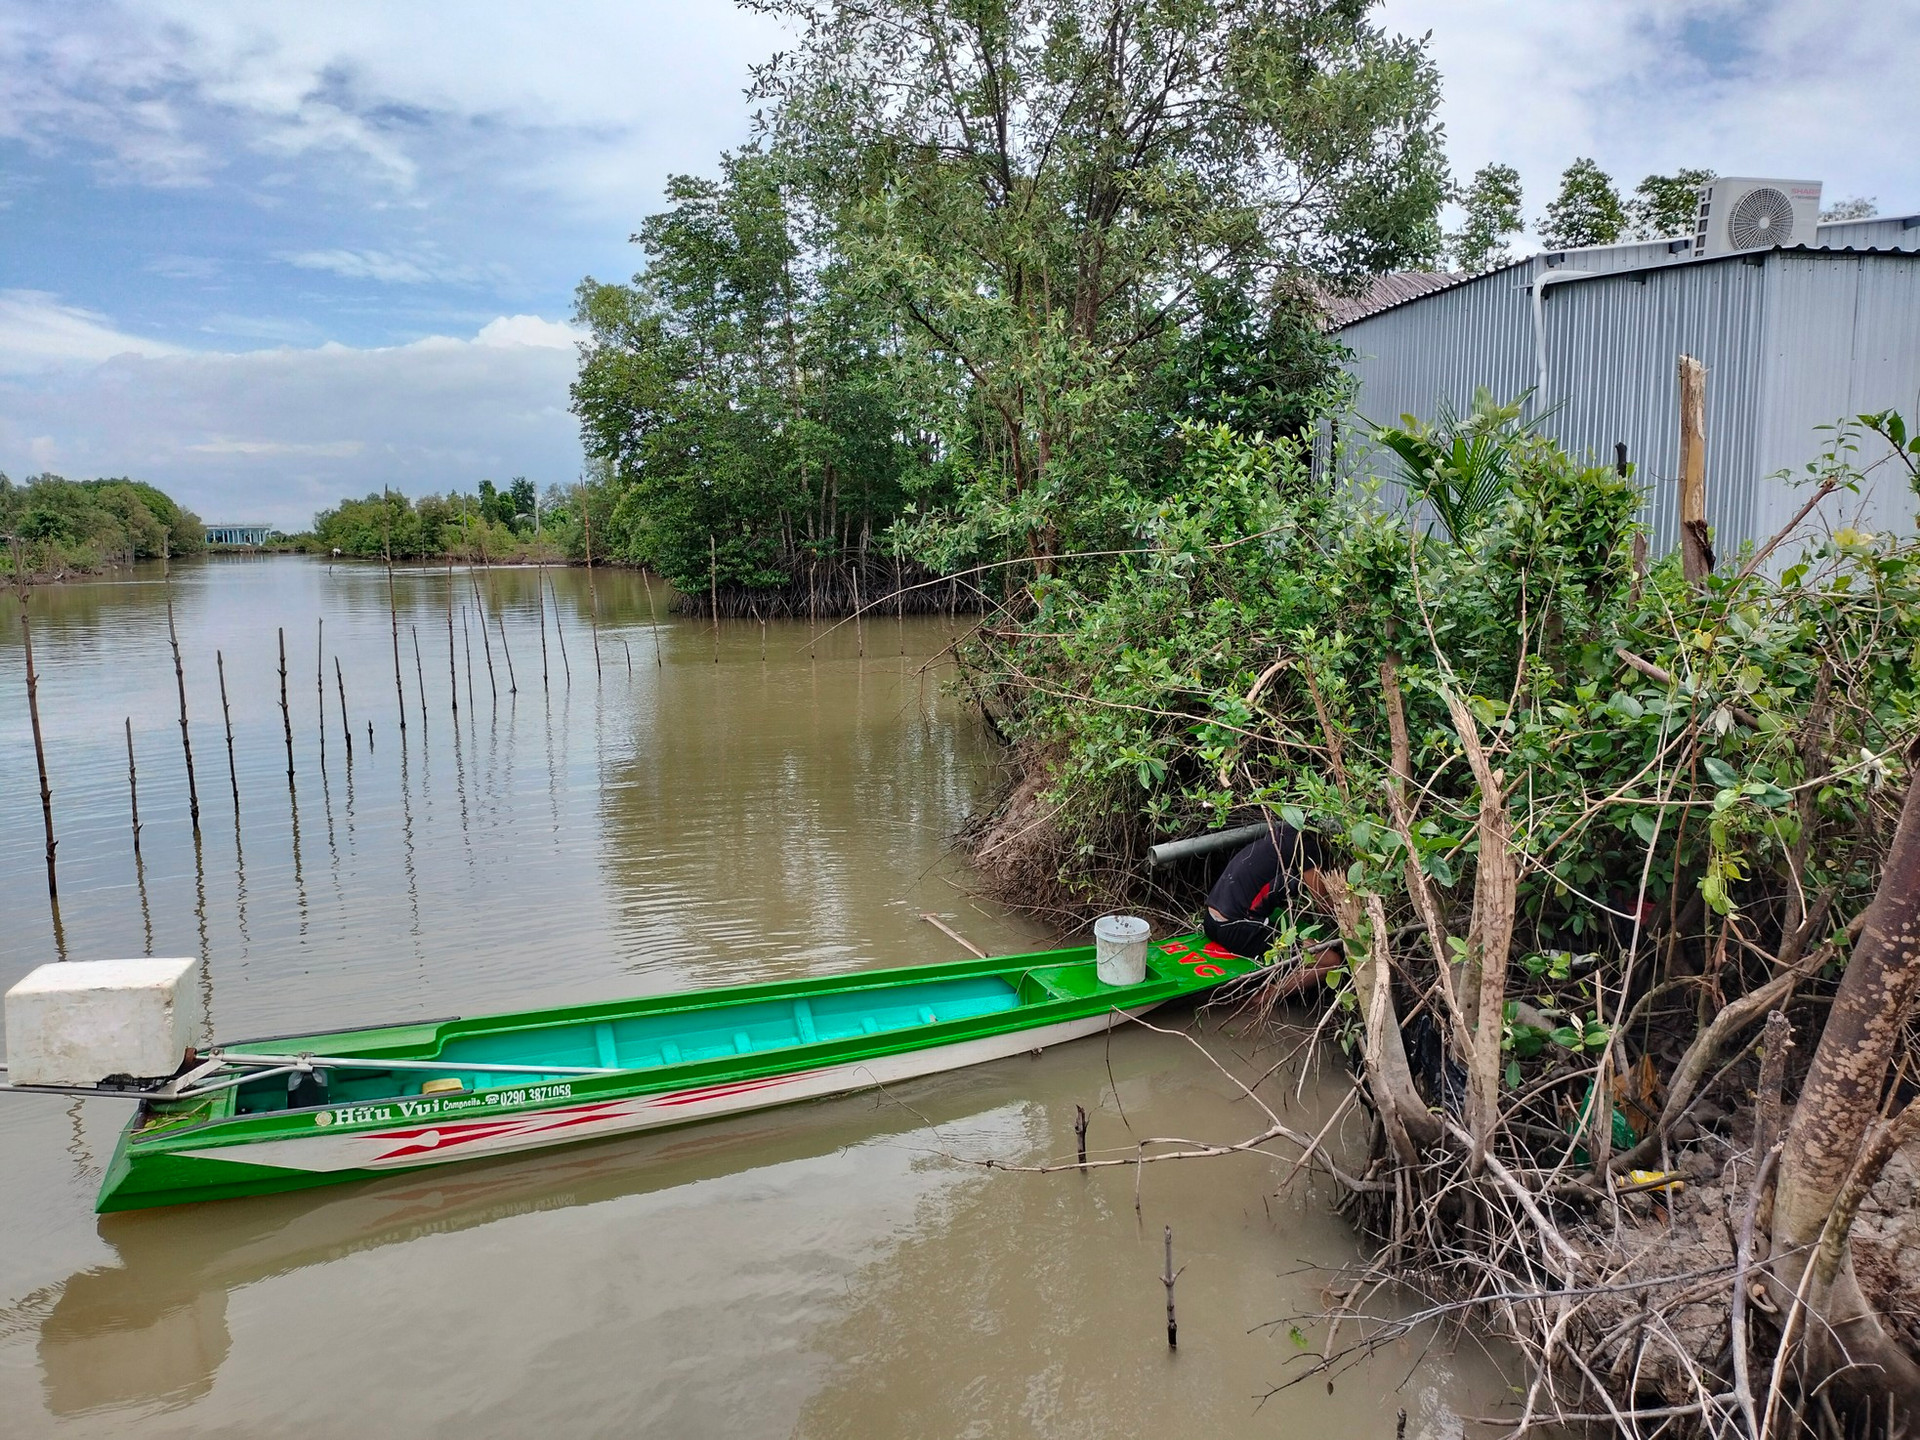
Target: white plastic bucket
1120	949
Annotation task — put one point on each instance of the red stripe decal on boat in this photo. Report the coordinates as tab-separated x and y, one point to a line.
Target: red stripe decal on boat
432	1141
720	1092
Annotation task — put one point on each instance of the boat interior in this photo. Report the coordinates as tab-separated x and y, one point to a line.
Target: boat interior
644	1041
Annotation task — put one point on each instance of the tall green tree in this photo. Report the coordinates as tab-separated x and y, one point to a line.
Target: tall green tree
1044	191
1587	211
1859	207
1665	205
1491	206
737	392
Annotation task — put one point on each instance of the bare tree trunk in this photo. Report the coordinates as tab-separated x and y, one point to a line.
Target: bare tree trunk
1409	1124
1489	934
1836	1144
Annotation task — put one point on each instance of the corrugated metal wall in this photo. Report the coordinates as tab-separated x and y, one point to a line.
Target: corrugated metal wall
1612	374
1792	340
1890	232
1842	338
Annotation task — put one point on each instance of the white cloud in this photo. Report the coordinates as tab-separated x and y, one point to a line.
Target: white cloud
37	331
559	101
529	330
424	267
278	434
1744	87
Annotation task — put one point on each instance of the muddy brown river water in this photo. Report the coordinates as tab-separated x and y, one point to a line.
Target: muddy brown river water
751	806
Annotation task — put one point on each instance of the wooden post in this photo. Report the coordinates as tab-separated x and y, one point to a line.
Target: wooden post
133	787
286	715
180	681
859	615
540	594
713	594
393	616
561	635
345	728
453	671
1080	1134
1173	1325
513	686
320	689
420	676
1696	553
653	619
629	649
226	715
466	642
593	594
1639	536
485	644
33	714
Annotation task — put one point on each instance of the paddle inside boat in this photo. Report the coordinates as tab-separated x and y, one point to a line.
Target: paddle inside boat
296	1111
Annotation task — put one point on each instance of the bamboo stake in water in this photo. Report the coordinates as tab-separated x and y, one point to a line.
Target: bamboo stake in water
513	685
561	636
466	641
420	675
485	644
713	594
453	674
180	680
226	714
859	612
653	619
320	689
629	649
345	728
286	715
33	713
393	615
133	787
593	595
1173	1325
540	594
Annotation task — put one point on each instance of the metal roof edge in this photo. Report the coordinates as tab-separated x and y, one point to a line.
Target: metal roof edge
1453	284
1572	272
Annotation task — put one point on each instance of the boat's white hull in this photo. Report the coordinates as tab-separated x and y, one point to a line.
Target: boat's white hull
442	1140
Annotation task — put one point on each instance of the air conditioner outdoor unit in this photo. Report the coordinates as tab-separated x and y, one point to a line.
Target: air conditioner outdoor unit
1738	214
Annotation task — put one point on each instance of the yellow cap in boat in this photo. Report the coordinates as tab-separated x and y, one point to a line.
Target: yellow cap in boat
446	1085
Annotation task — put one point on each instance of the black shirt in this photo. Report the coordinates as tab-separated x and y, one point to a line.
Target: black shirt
1257	881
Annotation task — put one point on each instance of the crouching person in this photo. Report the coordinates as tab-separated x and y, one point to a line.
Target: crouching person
1258	881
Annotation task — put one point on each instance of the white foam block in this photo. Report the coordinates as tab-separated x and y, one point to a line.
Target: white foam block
77	1022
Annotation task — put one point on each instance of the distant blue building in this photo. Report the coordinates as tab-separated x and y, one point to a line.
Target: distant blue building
240	534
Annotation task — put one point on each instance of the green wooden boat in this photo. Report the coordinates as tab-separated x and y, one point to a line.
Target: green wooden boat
307	1110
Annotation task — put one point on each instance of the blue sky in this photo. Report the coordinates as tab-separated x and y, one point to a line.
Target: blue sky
268	255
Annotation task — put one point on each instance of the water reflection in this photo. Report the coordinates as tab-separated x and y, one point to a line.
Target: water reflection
150	1329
